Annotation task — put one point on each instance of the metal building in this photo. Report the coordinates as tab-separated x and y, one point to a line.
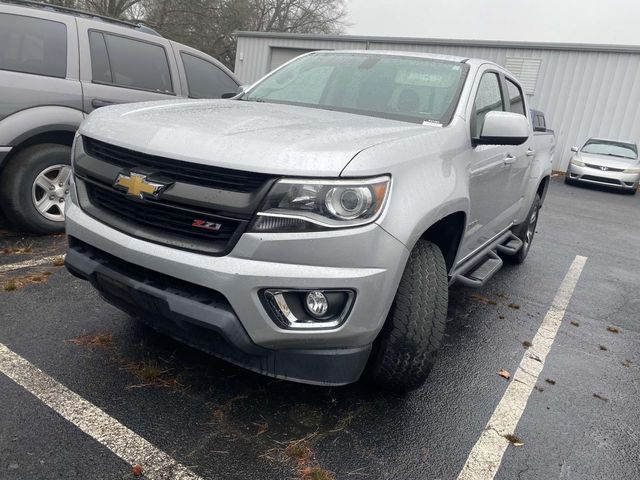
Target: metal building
585	90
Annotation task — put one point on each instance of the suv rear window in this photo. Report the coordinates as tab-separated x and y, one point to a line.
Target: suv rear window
129	63
205	80
33	45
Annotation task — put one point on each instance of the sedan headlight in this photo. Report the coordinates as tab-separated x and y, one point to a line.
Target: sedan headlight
577	163
632	170
297	205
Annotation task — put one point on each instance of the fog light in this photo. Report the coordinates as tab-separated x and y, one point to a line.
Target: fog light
316	303
307	309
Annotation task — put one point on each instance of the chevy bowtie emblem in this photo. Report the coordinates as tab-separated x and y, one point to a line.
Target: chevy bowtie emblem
137	185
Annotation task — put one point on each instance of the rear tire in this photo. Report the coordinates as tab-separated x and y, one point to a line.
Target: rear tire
20	194
405	350
525	232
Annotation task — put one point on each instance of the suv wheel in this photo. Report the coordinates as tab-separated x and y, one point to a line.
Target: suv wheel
405	350
525	232
34	188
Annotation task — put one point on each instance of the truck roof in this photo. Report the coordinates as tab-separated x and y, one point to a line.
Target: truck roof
474	62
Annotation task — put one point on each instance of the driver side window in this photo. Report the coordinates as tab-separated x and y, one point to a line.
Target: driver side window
488	99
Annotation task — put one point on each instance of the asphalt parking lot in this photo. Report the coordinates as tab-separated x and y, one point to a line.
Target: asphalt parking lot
221	422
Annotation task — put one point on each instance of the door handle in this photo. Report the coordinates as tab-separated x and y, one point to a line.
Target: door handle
97	103
509	159
530	152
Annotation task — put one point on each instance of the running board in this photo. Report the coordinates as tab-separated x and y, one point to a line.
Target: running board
512	247
482	272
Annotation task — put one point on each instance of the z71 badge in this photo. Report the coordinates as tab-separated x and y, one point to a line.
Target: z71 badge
213	226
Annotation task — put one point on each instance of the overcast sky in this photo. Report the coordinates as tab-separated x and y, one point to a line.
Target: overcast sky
576	21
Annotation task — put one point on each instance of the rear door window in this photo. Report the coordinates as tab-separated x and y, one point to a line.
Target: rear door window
33	45
129	63
206	80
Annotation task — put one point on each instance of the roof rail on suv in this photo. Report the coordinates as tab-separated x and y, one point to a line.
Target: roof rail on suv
81	13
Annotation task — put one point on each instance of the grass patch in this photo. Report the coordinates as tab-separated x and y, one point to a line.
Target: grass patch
151	374
13	284
316	473
18	248
92	341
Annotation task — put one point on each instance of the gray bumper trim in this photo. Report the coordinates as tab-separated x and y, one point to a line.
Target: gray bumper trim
209	325
4	153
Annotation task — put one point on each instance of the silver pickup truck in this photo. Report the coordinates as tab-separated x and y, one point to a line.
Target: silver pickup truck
309	228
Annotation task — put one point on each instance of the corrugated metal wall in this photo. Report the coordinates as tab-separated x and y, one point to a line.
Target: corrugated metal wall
583	93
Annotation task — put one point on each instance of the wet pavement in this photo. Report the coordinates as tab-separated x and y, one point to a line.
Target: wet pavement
226	423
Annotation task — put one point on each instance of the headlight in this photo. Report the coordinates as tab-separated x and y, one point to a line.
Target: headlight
295	205
576	162
632	170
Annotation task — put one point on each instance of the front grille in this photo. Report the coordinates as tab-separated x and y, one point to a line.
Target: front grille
609	169
178	171
164	222
600	179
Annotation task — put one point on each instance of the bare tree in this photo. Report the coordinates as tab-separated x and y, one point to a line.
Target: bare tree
113	8
209	25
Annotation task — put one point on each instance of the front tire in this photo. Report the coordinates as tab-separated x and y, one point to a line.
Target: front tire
34	187
405	350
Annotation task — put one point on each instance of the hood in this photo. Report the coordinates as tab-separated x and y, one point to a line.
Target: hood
261	137
607	161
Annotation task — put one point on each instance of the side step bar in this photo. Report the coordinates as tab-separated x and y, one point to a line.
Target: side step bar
477	273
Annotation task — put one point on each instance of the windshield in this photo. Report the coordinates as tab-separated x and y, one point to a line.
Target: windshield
402	88
615	149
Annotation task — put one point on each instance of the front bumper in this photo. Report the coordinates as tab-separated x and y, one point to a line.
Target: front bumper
595	176
320	260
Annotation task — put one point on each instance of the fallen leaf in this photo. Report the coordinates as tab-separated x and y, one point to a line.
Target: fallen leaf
600	397
515	441
504	374
550	382
137	471
603	348
526	344
515	306
613	329
574	323
627	363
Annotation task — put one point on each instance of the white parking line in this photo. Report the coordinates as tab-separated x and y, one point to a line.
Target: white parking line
485	457
28	264
122	441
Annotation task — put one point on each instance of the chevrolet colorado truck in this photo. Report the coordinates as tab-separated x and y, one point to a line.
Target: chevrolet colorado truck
309	228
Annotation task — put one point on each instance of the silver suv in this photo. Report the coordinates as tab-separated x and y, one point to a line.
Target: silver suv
56	66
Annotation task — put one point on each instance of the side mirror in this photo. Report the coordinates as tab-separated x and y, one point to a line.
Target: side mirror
504	128
575	149
239	91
